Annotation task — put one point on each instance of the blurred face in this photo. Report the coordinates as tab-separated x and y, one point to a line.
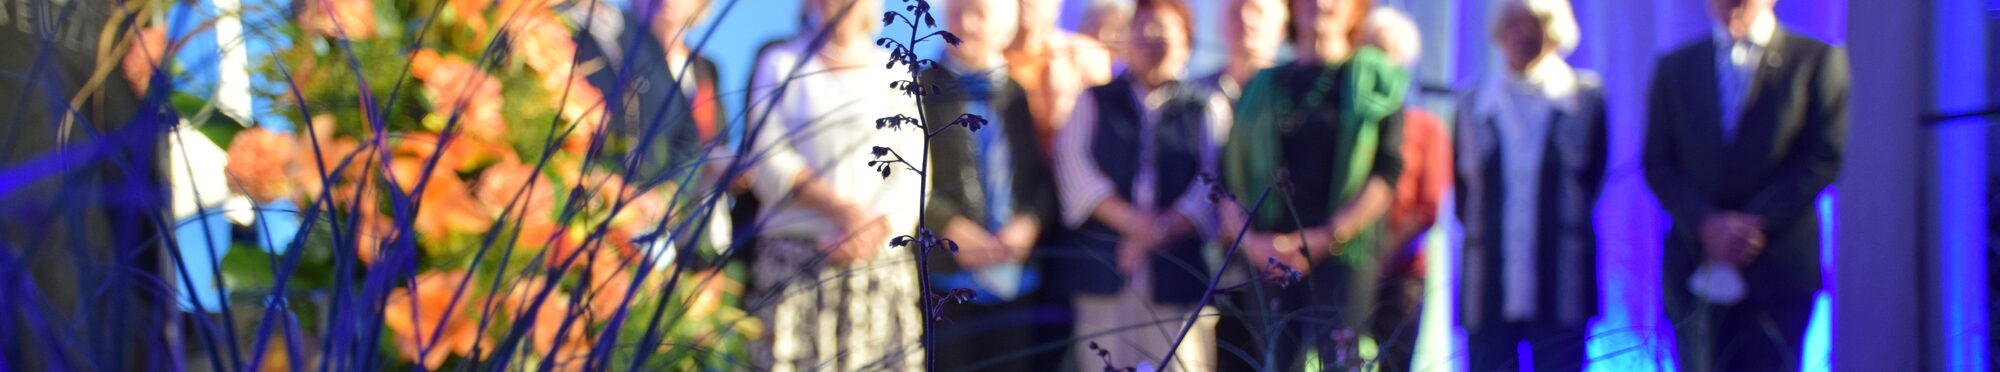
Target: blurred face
1039	15
1736	15
983	27
1256	29
856	23
1327	24
1108	27
1159	49
674	15
1521	37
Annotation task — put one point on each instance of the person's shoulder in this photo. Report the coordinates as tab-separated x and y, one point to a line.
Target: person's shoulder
1687	51
1589	84
1423	122
1269	76
938	74
1797	41
779	56
1808	47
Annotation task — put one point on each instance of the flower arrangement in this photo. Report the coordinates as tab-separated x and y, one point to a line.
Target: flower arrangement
464	200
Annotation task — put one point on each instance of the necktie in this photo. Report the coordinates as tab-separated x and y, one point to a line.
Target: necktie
1735	80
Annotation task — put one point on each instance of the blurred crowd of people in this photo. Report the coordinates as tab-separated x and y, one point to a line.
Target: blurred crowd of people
1111	187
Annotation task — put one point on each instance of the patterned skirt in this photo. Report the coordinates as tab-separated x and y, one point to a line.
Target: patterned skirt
820	317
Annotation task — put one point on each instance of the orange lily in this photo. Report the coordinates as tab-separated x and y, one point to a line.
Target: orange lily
414	315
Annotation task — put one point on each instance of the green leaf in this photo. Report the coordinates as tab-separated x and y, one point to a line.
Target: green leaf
216	126
248	268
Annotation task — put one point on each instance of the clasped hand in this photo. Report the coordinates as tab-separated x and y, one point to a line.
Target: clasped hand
1732	237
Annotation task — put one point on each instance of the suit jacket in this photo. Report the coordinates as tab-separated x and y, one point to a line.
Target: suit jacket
1571	178
1787	149
956	187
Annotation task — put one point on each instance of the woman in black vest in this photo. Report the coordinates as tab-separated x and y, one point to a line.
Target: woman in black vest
1128	166
1322	134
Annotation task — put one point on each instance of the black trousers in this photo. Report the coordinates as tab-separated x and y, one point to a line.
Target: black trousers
1030	333
1494	346
1399	302
1752	336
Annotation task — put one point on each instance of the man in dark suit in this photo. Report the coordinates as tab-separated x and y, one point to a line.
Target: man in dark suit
1745	129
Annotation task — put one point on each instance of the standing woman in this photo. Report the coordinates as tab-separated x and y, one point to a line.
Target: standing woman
1531	154
1128	169
831	295
1323	133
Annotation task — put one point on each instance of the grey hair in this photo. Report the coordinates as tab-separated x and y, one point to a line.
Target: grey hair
1394	32
1558	22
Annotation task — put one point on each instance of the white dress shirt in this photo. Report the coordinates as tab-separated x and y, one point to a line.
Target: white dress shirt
825	122
1082	185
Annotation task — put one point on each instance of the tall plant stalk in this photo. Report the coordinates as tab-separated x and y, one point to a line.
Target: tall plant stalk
923	27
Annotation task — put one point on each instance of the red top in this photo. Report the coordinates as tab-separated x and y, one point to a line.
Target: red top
1427	174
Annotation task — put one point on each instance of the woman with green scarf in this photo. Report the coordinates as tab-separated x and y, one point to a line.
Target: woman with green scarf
1321	136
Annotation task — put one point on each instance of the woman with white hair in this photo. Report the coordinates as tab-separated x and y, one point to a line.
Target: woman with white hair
831	294
1531	154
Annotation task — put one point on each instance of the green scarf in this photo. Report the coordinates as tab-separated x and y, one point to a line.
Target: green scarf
1374	89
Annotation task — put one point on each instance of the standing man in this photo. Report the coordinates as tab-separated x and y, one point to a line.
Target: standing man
1745	129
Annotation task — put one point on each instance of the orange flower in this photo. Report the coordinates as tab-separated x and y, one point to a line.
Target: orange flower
260	163
610	280
444	207
545	330
416	314
545	233
307	161
584	107
457	86
542	42
470	11
148	50
462	154
499	184
354	18
370	231
643	210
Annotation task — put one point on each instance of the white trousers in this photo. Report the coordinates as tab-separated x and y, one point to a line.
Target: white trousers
1138	332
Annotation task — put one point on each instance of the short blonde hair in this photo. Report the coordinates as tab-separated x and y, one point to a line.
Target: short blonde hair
1558	22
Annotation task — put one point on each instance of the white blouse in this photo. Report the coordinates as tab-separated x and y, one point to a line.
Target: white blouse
824	121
